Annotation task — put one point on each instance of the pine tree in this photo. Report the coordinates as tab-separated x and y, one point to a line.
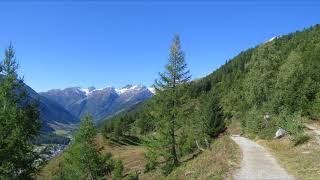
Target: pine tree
212	116
83	160
19	123
169	99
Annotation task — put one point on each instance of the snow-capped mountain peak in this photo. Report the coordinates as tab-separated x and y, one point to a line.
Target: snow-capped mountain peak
129	88
152	90
100	103
87	91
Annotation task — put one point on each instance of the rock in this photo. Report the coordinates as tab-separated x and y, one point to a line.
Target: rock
266	119
280	133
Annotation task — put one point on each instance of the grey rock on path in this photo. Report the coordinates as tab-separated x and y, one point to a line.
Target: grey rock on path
258	163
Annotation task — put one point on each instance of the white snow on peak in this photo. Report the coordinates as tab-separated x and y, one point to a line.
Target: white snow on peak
152	90
87	91
129	88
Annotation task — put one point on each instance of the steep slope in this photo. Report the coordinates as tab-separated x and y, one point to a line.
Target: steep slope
279	77
100	103
52	114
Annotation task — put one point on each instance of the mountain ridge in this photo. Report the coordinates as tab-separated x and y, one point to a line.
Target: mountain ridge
101	102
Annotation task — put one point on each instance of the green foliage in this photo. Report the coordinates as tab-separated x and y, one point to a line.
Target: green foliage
83	159
174	119
292	123
169	101
301	139
19	123
281	75
212	115
118	170
50	138
151	161
132	176
120	126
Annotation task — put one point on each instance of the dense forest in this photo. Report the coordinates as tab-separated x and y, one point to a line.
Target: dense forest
279	79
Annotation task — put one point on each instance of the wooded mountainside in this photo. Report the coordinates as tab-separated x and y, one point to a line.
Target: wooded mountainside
280	78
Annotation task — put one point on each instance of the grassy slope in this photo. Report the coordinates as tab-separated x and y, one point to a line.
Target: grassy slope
216	163
213	164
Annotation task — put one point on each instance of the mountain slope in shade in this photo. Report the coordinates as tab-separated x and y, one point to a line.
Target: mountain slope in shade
100	103
52	114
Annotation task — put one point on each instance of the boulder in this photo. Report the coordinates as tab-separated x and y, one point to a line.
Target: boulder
280	133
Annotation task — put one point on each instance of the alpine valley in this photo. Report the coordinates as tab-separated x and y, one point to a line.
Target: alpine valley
100	103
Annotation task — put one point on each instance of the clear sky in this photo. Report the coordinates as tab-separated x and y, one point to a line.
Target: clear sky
99	43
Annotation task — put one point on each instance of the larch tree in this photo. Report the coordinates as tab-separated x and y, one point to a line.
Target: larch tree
169	99
19	123
83	160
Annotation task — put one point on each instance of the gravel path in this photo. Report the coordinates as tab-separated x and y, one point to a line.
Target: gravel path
257	163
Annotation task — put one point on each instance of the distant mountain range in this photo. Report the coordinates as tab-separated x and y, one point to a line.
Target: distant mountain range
53	115
100	103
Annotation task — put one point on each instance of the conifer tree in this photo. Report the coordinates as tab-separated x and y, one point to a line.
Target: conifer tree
212	116
83	160
169	100
19	123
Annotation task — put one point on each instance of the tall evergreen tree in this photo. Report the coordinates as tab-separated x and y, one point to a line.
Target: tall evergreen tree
19	122
212	116
83	160
169	98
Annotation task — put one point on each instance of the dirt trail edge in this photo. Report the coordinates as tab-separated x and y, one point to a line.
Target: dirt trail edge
313	131
258	163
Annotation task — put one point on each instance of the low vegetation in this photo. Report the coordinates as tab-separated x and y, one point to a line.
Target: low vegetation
215	163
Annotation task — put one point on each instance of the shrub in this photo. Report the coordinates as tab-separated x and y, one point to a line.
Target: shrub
118	170
151	161
132	176
168	167
301	139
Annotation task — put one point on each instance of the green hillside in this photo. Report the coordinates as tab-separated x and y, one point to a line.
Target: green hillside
279	78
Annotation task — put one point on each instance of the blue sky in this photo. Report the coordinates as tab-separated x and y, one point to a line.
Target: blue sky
98	43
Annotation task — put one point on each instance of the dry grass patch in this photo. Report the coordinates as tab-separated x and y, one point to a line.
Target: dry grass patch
132	157
216	163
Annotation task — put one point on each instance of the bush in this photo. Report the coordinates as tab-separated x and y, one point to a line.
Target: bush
292	123
118	170
151	161
301	139
168	167
132	176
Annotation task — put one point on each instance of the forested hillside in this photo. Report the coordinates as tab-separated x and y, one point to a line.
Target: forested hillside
279	78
